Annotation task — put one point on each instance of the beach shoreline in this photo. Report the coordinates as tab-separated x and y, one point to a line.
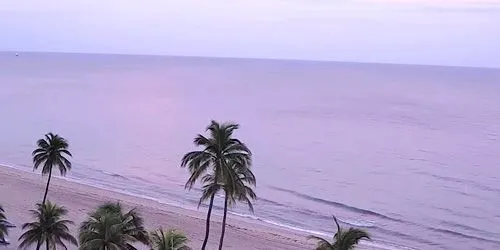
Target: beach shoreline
384	148
25	188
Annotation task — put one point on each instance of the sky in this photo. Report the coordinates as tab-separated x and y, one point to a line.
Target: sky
434	32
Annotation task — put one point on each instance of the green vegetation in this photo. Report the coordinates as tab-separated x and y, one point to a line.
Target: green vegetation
110	228
223	164
168	240
48	228
51	152
4	227
342	240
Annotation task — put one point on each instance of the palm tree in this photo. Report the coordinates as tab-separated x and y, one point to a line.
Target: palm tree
48	228
342	240
214	162
237	187
109	228
4	227
52	151
168	240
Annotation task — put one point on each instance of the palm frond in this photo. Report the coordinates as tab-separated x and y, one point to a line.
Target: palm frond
110	227
4	227
47	227
339	230
201	140
322	244
350	238
209	190
168	240
51	152
343	240
225	165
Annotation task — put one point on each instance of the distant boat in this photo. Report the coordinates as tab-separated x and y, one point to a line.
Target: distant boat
17	54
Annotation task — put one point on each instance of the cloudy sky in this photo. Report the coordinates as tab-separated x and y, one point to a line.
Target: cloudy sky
443	32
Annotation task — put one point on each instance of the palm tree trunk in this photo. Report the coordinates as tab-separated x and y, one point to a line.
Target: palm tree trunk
207	228
47	187
47	244
38	245
223	223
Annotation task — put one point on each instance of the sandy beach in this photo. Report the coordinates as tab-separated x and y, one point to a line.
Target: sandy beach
21	190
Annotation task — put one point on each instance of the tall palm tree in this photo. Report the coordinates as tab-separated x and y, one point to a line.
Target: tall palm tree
52	151
214	162
48	228
342	240
237	187
4	227
109	228
168	240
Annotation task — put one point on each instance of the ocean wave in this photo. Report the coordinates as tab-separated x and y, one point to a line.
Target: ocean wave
337	204
358	223
267	201
463	235
372	243
282	225
113	174
461	181
309	213
385	245
468	228
350	222
134	194
408	236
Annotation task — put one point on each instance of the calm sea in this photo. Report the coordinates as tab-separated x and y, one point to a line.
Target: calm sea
410	153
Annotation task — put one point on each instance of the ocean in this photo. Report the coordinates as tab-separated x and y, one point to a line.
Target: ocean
409	153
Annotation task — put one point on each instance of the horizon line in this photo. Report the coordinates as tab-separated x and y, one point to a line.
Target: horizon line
250	58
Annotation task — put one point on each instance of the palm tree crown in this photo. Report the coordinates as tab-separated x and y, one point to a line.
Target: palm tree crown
168	240
4	227
343	239
238	186
218	165
48	228
52	151
219	150
110	228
